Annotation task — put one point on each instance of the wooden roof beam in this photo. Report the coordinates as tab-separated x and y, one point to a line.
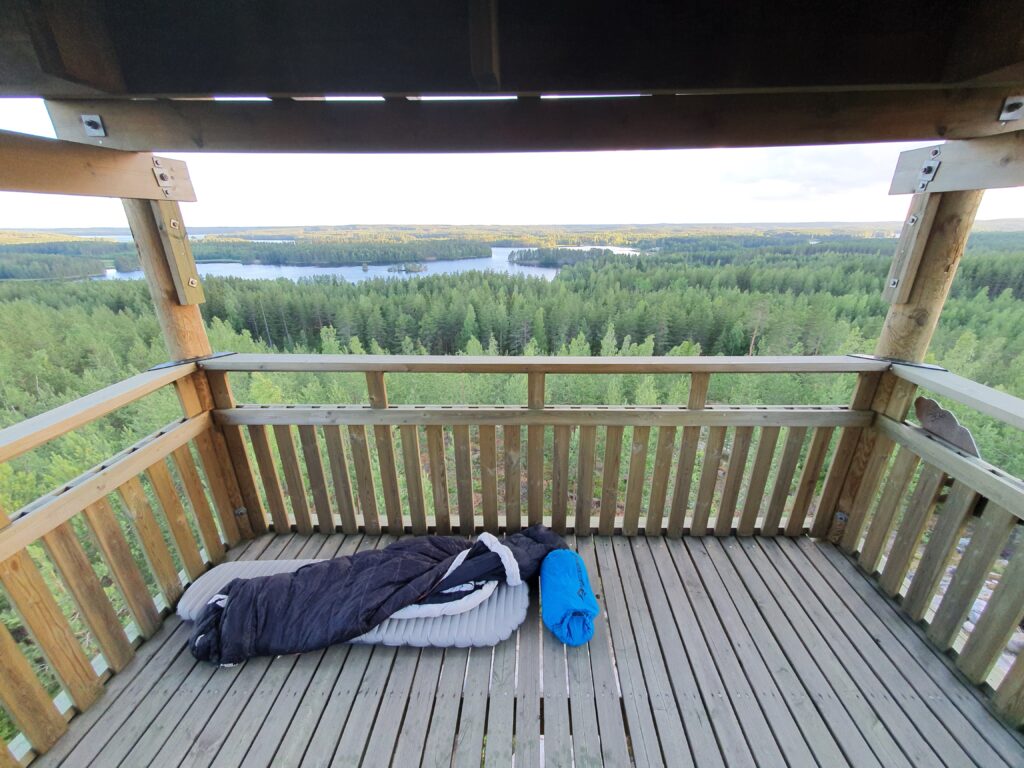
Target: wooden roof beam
535	125
34	164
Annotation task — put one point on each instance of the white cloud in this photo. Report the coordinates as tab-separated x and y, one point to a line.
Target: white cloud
799	184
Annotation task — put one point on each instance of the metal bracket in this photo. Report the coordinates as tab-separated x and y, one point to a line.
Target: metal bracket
929	169
93	125
897	361
175	363
1013	109
164	179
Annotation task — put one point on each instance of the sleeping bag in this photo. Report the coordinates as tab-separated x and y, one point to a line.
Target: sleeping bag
333	601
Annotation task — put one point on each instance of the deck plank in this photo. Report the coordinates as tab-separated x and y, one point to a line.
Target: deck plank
906	646
707	652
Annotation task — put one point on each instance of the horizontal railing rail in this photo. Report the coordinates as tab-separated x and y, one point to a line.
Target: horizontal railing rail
552	415
39	430
992	402
554	365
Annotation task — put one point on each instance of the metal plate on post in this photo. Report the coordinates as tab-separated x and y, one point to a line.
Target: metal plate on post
178	252
913	238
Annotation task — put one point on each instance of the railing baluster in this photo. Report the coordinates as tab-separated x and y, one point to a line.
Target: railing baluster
610	480
77	572
560	477
268	473
911	529
1000	618
896	486
636	479
152	540
949	527
809	480
177	523
317	478
32	598
733	480
364	478
535	453
489	476
340	478
414	477
200	506
990	536
766	445
386	461
585	480
464	479
697	399
117	553
25	699
439	478
1009	698
293	478
512	439
659	480
713	449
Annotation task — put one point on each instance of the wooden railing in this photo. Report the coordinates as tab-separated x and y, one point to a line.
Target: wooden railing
583	468
943	526
144	518
156	515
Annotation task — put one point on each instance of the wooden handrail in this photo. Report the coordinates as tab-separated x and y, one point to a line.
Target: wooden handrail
569	415
47	512
31	433
553	365
1000	405
988	480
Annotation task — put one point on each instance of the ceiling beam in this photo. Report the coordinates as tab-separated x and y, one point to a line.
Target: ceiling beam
531	124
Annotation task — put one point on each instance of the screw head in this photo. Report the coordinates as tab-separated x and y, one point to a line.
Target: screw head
894	282
175	224
935	152
912	220
192	282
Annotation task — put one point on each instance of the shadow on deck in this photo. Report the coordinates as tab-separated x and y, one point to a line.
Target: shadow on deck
712	651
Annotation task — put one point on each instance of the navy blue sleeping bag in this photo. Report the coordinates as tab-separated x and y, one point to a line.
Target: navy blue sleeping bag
336	600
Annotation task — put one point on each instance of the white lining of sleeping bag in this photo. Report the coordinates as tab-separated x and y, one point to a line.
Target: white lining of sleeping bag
452	607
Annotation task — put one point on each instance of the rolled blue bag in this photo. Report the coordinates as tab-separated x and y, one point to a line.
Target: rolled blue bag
568	605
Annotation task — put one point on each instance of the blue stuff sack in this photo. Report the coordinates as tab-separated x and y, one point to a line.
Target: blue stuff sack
568	605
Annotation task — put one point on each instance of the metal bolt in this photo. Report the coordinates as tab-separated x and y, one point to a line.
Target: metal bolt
935	152
912	220
926	170
923	185
192	282
156	161
894	282
164	177
174	224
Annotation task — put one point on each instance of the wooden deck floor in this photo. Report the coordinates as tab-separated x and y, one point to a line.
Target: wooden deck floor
739	652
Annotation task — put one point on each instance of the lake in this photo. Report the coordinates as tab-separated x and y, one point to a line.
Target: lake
498	262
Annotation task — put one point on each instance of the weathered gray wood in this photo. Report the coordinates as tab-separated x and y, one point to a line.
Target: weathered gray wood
614	749
469	740
557	740
635	698
891	676
906	646
413	736
502	706
700	692
528	691
842	704
811	722
443	722
914	746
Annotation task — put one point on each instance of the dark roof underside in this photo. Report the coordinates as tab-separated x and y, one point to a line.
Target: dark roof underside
936	57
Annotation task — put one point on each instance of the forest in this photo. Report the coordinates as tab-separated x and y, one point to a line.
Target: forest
740	294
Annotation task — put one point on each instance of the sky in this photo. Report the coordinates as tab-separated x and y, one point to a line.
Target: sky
788	184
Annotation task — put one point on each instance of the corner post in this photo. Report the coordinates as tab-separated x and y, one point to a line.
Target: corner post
939	239
162	243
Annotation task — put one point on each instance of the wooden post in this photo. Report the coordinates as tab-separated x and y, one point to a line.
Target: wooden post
152	224
906	334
